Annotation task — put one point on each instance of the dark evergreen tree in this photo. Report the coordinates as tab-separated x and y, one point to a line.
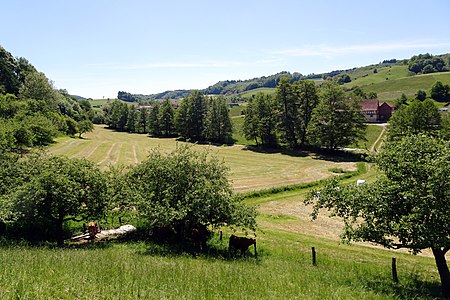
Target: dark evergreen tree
166	119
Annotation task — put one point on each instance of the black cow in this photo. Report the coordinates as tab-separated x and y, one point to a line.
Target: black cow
241	244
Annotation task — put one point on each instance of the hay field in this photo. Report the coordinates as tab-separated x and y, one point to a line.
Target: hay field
249	170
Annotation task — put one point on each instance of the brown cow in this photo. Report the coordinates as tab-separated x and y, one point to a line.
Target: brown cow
93	230
241	244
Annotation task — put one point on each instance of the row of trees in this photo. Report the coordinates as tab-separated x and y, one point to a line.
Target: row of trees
182	190
301	114
197	118
427	63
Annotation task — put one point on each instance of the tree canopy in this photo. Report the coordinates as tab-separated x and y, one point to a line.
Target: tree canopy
336	121
47	191
407	207
186	188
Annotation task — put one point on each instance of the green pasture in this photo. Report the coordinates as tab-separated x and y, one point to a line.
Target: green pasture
282	270
125	269
372	134
391	83
249	169
249	94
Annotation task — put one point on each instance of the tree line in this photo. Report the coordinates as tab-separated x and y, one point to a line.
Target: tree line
198	118
302	114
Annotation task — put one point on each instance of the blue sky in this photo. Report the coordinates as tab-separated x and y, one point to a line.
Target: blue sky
96	48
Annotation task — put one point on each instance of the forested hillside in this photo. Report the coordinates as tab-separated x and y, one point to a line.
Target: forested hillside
32	111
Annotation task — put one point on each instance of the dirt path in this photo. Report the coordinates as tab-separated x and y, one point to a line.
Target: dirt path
372	147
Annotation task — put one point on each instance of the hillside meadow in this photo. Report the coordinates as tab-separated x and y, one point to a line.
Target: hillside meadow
249	169
389	82
113	269
142	269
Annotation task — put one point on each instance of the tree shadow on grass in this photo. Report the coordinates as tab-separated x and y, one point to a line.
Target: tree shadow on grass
411	287
172	245
334	155
277	150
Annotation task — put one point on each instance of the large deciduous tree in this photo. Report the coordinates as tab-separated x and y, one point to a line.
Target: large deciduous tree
287	113
306	96
415	118
407	207
336	121
53	190
186	189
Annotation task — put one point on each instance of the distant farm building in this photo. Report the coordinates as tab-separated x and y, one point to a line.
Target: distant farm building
143	107
376	112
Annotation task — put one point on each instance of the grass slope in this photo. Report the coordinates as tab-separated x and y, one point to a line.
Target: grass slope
249	170
391	82
283	270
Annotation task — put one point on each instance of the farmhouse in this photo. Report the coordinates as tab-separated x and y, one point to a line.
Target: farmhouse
376	112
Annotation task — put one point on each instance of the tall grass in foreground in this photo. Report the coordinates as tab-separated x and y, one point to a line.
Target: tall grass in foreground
140	270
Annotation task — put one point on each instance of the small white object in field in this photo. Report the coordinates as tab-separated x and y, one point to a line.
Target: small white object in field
360	182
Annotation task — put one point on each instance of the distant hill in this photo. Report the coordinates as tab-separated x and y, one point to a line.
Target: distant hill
389	79
78	97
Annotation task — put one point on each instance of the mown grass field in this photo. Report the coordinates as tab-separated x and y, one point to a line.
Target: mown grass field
249	170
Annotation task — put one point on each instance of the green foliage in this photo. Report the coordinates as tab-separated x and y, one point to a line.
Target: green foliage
294	106
38	87
415	118
426	63
84	126
218	127
118	115
238	86
343	78
421	95
260	120
9	81
191	117
188	189
335	122
445	127
440	91
53	190
153	120
166	119
202	118
409	207
287	113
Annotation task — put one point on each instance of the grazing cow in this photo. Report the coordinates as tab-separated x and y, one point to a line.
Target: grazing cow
241	244
93	230
198	236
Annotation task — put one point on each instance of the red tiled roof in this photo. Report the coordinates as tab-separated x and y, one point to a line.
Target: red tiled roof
369	104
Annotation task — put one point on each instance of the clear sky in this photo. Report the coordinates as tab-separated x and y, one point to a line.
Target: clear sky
94	48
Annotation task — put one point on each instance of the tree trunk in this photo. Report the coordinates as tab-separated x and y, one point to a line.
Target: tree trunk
441	264
59	232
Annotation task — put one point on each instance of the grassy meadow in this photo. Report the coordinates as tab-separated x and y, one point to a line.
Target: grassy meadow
249	170
116	269
283	270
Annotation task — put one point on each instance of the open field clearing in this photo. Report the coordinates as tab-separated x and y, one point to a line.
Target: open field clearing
249	170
